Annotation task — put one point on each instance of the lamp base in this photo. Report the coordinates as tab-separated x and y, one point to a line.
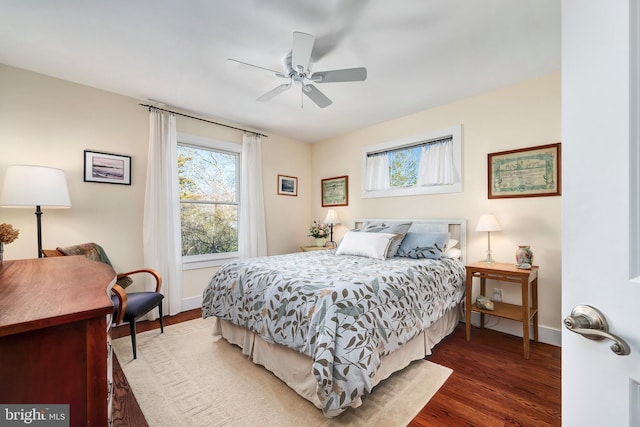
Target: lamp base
489	259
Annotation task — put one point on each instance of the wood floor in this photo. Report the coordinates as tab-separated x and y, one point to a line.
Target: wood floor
491	385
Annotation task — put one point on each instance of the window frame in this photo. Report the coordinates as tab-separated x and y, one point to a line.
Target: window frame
192	262
454	132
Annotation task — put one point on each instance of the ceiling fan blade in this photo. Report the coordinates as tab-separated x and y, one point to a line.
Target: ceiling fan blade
316	96
301	52
346	75
274	92
246	64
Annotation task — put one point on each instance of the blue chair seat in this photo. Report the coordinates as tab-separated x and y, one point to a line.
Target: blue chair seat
138	304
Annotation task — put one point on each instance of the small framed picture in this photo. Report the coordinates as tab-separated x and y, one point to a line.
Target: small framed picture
335	191
287	185
107	168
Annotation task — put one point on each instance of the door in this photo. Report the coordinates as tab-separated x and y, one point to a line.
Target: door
600	200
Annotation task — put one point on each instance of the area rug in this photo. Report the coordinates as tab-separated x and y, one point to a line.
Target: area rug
185	378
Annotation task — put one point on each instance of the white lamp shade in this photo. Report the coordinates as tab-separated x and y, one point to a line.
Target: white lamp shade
27	186
488	222
332	217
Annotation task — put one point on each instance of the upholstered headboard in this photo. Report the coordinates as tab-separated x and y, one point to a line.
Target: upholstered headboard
456	227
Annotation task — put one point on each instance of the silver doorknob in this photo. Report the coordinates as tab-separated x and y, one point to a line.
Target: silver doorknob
591	323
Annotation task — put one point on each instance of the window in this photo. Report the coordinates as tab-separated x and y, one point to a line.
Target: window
429	163
208	175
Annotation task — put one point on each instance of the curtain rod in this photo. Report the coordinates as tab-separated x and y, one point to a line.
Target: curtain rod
413	145
203	120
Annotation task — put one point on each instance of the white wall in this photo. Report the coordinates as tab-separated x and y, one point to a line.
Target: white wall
519	116
50	122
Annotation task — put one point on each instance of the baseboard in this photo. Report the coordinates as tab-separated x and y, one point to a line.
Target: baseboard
191	303
545	334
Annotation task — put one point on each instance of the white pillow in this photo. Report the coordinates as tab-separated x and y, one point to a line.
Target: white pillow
452	253
451	243
370	245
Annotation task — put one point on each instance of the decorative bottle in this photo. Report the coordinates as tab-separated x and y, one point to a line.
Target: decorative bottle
524	255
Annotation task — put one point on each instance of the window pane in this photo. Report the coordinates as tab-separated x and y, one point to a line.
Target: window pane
403	167
208	228
207	175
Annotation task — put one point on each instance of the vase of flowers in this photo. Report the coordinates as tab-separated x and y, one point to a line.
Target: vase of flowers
7	235
524	255
319	232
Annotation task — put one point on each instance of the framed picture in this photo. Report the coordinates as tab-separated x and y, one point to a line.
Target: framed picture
527	172
107	168
287	185
335	191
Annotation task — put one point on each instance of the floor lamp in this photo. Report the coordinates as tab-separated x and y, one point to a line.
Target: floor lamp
488	223
26	186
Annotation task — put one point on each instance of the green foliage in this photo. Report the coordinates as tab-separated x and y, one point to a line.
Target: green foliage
208	201
403	166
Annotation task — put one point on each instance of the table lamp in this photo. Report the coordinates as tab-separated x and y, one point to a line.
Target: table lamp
488	223
331	218
26	186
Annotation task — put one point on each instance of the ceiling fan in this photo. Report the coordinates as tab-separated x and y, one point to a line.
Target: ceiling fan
297	69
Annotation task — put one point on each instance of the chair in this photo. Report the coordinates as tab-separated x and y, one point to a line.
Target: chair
128	307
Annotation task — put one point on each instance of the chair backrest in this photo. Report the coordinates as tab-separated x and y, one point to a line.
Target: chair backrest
51	252
94	252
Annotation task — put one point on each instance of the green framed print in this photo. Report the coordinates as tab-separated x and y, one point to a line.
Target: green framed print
335	191
526	172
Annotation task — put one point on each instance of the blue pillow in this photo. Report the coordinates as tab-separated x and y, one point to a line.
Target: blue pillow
423	245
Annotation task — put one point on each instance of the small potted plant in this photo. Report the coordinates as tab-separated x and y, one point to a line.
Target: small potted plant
319	232
7	235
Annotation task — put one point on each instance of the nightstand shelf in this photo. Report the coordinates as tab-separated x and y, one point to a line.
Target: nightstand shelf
525	313
505	311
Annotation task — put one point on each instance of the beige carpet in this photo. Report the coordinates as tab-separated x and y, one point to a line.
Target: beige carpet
184	378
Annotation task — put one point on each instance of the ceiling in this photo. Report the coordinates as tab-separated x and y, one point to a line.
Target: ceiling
418	53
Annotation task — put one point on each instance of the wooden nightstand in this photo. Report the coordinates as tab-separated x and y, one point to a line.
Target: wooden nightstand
505	273
314	248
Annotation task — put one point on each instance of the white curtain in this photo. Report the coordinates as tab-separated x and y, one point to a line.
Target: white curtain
377	172
252	234
161	222
436	164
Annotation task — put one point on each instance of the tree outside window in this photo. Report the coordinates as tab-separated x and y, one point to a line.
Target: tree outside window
208	184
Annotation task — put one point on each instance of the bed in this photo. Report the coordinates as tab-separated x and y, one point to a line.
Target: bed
332	324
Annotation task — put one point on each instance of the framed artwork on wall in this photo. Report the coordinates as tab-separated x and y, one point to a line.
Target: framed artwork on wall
526	172
335	191
287	185
107	168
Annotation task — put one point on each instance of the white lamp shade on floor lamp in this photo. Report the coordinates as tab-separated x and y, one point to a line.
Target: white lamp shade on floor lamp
488	223
28	186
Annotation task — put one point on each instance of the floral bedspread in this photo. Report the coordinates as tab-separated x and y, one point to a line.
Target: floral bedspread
345	312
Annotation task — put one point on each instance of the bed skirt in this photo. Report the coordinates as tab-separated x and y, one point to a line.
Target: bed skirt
294	368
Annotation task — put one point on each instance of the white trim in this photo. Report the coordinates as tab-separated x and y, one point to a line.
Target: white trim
191	303
455	132
634	142
200	141
195	262
546	334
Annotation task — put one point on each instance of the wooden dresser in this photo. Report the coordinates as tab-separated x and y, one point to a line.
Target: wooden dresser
55	315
